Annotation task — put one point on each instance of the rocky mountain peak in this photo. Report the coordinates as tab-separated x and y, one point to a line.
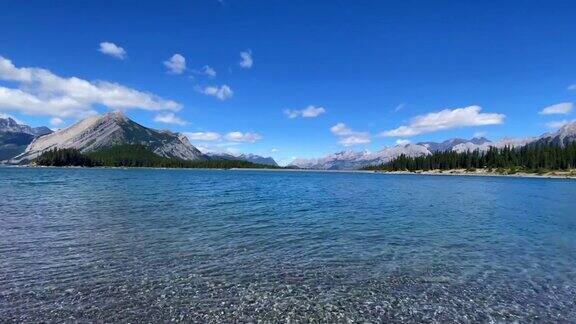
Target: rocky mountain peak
114	128
568	129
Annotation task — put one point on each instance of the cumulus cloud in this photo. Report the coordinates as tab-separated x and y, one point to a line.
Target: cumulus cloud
204	136
563	108
222	93
233	138
349	137
242	137
55	121
445	119
169	118
402	142
112	50
209	71
308	112
176	64
558	123
246	60
43	93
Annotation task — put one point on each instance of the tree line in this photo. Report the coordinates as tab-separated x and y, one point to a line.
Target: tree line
133	156
529	158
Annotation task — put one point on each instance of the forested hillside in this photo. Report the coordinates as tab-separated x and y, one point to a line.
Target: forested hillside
132	156
530	158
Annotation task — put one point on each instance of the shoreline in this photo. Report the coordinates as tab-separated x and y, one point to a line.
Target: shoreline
482	173
455	172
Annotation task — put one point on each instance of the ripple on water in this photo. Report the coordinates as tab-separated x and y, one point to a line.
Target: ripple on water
218	246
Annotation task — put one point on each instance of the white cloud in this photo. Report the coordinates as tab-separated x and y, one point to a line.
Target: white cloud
563	108
209	71
176	64
55	121
43	93
246	60
479	134
274	150
308	112
572	87
169	118
402	142
222	93
399	107
204	136
233	138
242	137
348	137
340	129
112	50
218	149
445	119
558	123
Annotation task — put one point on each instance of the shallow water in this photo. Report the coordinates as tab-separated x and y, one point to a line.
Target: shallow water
197	245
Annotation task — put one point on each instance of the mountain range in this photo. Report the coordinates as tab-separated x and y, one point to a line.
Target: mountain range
15	137
355	160
243	157
21	143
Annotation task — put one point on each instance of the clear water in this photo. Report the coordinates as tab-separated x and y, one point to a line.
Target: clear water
221	246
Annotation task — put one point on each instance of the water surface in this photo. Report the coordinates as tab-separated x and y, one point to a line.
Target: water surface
197	245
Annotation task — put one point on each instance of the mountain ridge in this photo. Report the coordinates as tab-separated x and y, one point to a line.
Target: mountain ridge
114	128
356	160
249	157
15	137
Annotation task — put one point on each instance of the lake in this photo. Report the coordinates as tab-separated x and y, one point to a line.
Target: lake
209	245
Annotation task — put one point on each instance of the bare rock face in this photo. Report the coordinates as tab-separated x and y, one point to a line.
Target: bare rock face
99	132
9	125
564	136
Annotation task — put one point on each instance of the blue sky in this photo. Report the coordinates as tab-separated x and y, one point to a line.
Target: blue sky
316	76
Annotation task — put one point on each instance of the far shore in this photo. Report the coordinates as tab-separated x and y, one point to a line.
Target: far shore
456	172
485	173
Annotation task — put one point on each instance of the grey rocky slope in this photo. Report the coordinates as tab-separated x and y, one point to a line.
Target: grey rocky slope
451	143
98	132
565	135
243	157
15	137
355	160
347	160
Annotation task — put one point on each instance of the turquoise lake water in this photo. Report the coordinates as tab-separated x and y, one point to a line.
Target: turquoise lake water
204	245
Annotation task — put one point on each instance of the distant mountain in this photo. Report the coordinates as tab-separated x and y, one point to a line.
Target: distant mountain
15	137
451	143
244	157
566	134
483	147
99	132
355	160
9	125
347	160
12	144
